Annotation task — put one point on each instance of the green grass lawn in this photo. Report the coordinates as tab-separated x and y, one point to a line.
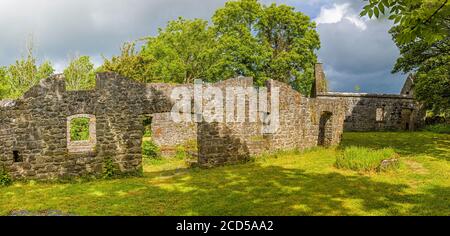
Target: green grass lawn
304	183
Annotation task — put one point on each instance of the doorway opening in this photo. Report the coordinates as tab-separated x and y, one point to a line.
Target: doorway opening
325	129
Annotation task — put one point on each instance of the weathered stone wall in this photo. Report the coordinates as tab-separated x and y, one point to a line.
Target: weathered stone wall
300	128
221	143
35	142
374	112
33	129
168	134
379	112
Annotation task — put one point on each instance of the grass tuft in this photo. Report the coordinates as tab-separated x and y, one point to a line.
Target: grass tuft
364	159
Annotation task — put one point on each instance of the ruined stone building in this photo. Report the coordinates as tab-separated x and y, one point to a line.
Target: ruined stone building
376	112
35	140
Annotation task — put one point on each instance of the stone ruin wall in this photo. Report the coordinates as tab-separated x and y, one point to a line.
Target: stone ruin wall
168	134
33	130
300	125
301	121
380	112
375	112
221	143
35	143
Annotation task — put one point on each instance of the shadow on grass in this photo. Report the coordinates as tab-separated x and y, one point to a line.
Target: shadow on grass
256	190
249	189
405	143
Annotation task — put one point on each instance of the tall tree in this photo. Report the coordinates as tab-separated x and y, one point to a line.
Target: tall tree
238	52
293	41
24	74
245	38
129	63
180	51
80	74
4	88
422	33
266	42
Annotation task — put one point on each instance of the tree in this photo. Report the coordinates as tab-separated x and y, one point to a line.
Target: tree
237	51
129	63
4	88
422	33
245	38
293	42
266	42
417	18
433	88
23	74
180	51
80	74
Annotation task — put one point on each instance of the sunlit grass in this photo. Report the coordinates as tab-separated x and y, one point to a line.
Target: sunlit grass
364	159
290	183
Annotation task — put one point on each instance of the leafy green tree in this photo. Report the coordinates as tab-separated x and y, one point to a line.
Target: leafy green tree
4	88
80	74
245	38
180	51
266	42
129	63
433	88
422	33
22	75
237	51
293	42
416	18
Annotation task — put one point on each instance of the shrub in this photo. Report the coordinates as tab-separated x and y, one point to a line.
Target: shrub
79	129
150	150
147	133
438	128
5	179
147	127
364	159
109	170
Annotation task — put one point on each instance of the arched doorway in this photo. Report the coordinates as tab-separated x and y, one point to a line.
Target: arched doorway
325	129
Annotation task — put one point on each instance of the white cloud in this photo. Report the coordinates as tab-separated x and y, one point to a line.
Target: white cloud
338	13
332	15
356	20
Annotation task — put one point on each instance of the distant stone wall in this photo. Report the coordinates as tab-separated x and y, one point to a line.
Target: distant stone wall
168	134
379	112
374	112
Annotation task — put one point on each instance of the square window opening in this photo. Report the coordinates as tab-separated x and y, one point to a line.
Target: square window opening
79	129
17	157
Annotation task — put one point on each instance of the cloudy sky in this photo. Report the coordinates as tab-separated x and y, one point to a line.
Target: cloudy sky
355	51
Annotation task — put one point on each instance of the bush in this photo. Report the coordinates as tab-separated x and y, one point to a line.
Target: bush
5	179
150	150
79	129
438	128
365	159
147	127
109	170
